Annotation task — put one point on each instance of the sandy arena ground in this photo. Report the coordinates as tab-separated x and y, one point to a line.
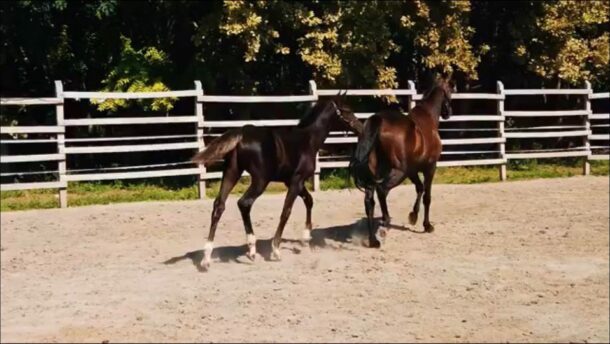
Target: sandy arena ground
515	261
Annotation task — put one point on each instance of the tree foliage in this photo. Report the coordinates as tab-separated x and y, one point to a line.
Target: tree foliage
276	46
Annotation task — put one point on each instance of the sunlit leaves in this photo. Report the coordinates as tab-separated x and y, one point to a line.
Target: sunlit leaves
136	71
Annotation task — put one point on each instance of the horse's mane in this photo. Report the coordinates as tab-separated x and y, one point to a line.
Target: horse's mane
312	114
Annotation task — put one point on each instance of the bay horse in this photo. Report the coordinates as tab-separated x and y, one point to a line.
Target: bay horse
393	147
271	154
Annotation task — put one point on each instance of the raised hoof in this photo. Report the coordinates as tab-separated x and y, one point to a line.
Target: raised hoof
205	266
374	243
412	218
428	228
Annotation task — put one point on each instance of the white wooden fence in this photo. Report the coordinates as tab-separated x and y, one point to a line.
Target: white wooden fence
499	133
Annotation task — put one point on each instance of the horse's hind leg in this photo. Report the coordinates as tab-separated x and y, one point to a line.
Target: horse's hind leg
293	191
428	176
419	188
245	205
396	177
230	176
369	206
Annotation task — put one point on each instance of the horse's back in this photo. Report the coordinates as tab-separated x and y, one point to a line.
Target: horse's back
410	140
273	152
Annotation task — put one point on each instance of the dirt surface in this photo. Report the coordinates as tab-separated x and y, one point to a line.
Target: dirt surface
514	261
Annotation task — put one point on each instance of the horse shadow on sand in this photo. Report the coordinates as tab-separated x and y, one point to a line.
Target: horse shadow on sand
334	237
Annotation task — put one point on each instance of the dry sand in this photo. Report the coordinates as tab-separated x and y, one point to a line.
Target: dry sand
514	261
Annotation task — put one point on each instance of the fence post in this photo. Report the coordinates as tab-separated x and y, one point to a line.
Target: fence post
586	169
61	144
500	90
411	86
200	140
313	90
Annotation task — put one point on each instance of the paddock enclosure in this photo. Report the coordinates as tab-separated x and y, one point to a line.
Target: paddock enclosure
486	129
519	261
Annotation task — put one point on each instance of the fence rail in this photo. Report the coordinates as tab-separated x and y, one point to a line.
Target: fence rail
496	136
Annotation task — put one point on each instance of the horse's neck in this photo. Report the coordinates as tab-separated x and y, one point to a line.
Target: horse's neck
318	130
433	103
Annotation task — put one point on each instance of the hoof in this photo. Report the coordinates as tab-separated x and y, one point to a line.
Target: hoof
251	256
385	222
412	218
374	243
306	238
205	266
275	255
428	228
382	233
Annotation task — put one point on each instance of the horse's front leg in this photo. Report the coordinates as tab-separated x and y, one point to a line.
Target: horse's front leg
428	177
308	200
293	191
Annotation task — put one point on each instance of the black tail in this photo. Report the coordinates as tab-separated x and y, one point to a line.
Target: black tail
219	147
359	163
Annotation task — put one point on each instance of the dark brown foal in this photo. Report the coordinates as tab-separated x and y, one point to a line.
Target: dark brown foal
283	155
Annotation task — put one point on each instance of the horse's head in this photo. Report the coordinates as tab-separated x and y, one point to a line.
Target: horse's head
448	87
345	112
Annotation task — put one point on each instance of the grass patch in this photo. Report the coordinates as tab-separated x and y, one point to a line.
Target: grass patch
88	193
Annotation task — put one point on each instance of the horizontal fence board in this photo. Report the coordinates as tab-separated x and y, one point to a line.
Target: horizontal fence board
546	155
353	139
348	139
257	99
129	95
547	127
471	162
473	141
131	148
469	96
133	175
599	116
218	175
360	115
31	157
32	130
131	138
365	115
259	123
342	164
333	164
30	101
555	113
457	118
29	186
599	137
129	120
599	157
531	92
368	92
482	118
601	95
538	134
